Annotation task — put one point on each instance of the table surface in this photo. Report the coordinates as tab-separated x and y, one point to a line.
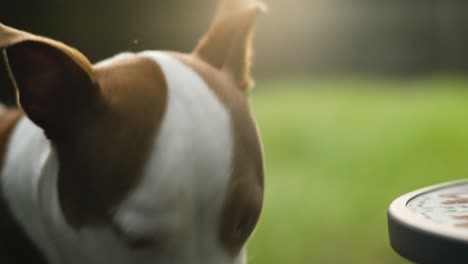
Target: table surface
447	206
430	225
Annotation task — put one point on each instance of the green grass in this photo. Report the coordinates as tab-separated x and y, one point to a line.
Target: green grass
338	152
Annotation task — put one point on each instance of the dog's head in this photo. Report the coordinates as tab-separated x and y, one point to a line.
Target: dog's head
160	147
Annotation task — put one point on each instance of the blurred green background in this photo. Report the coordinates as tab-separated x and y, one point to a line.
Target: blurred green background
358	102
339	151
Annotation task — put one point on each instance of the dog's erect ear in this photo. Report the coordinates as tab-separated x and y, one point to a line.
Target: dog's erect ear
228	43
53	81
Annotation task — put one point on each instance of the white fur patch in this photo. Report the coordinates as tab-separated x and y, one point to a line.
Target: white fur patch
185	181
27	168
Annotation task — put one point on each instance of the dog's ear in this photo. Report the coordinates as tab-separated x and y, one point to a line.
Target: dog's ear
228	43
53	81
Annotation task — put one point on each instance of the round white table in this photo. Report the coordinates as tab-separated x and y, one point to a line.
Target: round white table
430	225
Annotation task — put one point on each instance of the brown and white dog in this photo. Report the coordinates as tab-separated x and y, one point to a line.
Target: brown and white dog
150	157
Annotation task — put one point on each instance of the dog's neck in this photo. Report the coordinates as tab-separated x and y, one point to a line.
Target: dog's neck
19	247
29	161
29	188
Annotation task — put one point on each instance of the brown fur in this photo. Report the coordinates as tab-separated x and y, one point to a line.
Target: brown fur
243	200
107	159
10	36
228	44
102	122
15	246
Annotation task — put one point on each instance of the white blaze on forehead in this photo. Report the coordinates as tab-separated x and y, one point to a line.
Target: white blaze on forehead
187	174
